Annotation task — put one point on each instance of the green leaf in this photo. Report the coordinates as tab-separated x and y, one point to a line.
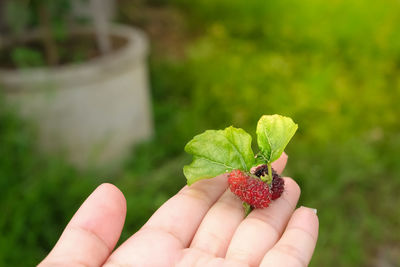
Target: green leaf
273	134
218	151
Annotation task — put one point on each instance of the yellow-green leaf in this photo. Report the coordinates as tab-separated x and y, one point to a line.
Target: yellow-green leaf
218	151
273	134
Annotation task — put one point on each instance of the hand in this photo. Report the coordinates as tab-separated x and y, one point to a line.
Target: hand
203	225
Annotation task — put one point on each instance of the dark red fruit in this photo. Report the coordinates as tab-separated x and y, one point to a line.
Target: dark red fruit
277	187
262	170
249	189
278	184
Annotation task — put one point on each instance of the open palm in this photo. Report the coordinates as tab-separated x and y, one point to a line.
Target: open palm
202	225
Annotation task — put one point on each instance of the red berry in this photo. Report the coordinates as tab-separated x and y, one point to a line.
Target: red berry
249	189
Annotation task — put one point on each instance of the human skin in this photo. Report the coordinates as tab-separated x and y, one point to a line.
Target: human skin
202	225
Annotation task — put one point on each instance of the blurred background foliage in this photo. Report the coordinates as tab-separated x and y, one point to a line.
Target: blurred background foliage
332	66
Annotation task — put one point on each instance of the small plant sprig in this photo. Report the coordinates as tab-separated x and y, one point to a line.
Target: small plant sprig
273	134
250	177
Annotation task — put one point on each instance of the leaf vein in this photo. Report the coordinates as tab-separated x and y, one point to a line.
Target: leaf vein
244	165
215	162
269	143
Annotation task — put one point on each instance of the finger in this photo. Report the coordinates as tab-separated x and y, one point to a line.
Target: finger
279	164
93	231
263	227
297	244
218	226
220	223
172	227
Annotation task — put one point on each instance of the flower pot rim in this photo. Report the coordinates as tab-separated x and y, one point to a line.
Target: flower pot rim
136	49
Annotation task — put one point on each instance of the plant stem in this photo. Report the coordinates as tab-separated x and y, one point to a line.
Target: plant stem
270	171
247	209
101	25
47	36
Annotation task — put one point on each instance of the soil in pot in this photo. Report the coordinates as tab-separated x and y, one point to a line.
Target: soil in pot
32	53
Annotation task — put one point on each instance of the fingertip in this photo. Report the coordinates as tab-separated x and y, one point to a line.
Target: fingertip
306	219
311	213
297	244
113	194
280	163
291	187
103	213
307	209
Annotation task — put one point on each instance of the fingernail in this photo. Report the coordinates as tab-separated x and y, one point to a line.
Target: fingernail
313	210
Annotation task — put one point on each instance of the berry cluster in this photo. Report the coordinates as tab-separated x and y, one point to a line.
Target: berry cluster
277	185
254	191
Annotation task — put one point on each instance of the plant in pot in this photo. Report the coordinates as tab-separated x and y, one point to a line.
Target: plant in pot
82	80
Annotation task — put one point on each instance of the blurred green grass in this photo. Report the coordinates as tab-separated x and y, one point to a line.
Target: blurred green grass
332	66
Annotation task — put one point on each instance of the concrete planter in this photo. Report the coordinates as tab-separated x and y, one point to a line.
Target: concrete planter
92	112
